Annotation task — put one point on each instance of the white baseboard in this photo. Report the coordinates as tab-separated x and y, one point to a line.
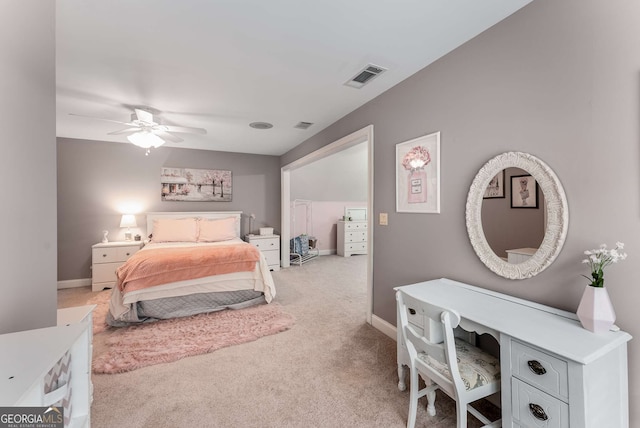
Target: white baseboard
385	327
327	252
73	283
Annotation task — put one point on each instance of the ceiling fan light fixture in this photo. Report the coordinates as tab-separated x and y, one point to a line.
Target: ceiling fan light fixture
145	139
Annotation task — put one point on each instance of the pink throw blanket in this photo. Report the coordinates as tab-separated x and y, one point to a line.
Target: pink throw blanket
163	265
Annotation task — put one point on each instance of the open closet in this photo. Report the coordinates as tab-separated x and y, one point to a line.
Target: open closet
303	247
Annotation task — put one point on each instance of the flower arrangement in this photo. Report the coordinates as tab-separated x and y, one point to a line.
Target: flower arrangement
600	258
417	157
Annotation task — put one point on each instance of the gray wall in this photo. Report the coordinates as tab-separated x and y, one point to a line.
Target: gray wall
558	79
98	181
27	166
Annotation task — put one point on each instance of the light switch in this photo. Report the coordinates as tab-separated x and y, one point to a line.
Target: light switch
384	219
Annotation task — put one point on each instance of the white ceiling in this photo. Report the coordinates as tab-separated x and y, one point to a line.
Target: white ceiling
220	65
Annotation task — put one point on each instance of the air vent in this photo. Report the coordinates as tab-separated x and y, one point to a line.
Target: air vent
303	125
261	125
365	76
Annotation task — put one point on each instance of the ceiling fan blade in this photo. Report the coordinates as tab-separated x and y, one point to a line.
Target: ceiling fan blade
168	137
144	116
99	118
126	131
185	129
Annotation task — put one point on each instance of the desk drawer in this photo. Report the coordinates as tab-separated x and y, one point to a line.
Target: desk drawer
533	408
548	373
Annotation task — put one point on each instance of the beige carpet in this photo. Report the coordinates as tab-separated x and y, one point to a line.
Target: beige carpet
331	369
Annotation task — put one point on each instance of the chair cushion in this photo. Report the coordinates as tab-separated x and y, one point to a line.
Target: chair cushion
477	368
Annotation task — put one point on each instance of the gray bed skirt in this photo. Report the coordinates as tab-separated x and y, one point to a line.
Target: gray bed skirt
192	304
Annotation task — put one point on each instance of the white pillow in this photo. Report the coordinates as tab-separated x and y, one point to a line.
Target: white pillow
175	230
217	230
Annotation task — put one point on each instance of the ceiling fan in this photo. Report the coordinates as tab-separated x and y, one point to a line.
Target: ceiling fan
147	132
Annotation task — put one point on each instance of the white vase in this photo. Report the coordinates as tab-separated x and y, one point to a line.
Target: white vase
595	311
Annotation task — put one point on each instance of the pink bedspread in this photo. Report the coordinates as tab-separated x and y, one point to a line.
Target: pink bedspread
162	265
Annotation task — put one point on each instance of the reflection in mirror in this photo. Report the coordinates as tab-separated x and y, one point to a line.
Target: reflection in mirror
514	234
502	178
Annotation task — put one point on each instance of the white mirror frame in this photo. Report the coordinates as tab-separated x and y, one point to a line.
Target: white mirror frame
557	215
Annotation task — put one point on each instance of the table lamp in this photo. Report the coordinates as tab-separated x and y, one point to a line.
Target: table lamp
128	221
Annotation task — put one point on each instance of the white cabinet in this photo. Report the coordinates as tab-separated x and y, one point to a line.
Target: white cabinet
106	258
50	367
269	245
554	372
352	238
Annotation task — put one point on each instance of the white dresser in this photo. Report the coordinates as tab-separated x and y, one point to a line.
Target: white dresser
269	245
520	255
50	366
352	237
106	258
554	372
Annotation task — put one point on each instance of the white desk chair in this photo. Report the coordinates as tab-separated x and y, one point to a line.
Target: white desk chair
464	372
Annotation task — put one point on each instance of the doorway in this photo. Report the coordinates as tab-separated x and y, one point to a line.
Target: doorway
364	135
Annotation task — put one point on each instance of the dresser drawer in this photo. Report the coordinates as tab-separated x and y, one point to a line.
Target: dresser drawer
548	373
360	236
266	244
350	225
533	408
355	246
272	257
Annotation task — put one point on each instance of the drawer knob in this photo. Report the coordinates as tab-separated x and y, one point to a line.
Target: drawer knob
412	311
128	254
104	255
538	412
536	367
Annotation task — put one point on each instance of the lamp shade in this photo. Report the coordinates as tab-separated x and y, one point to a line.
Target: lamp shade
128	220
145	139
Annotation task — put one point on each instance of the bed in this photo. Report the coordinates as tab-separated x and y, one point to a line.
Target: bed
192	263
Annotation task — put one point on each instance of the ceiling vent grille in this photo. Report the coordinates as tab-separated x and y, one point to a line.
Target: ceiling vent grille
365	76
303	125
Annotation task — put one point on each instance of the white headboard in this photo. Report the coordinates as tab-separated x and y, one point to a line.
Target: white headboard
209	215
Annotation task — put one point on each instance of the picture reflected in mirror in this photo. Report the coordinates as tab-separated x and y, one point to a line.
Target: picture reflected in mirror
514	234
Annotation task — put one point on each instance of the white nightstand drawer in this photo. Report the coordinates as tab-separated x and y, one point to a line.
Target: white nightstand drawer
533	408
539	369
125	252
265	244
105	272
105	255
113	254
272	257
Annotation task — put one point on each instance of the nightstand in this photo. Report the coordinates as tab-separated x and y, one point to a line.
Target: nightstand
269	245
106	258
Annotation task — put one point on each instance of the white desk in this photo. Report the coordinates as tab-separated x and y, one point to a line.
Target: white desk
585	381
50	366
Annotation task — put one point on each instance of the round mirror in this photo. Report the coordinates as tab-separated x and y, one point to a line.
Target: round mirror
528	227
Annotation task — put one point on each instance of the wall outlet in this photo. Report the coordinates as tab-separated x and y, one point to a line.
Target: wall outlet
384	219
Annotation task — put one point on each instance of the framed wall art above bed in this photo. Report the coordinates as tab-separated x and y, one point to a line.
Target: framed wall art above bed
196	185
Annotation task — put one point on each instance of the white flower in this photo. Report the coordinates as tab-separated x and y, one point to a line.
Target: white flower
600	258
